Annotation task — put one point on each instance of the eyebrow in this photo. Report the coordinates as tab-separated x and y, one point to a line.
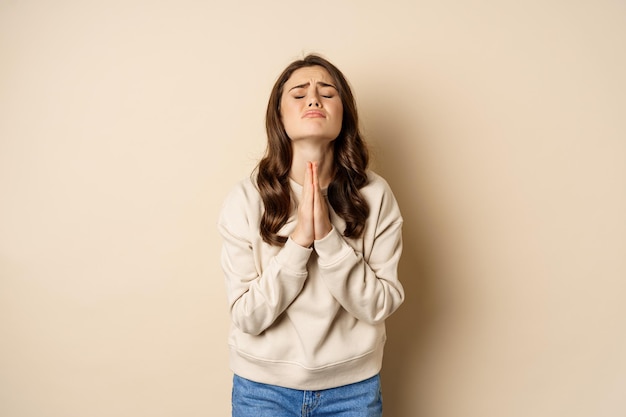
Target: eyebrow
320	83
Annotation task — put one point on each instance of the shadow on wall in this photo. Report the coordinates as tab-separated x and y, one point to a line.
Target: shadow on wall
411	328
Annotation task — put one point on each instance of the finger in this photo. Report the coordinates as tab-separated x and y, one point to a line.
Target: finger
304	232
307	187
315	178
321	217
308	172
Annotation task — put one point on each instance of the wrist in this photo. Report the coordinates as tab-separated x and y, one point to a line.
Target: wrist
305	243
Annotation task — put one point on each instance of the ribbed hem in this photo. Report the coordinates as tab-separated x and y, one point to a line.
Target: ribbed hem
294	376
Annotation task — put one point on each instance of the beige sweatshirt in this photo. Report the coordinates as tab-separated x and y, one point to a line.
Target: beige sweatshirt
310	318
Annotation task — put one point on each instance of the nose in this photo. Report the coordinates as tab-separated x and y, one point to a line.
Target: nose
314	101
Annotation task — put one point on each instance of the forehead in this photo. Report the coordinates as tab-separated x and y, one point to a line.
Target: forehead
309	74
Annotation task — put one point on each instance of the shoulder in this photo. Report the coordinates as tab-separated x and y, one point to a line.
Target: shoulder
244	190
377	187
241	202
380	197
376	182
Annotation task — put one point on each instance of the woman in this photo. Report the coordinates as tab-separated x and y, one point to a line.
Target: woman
310	254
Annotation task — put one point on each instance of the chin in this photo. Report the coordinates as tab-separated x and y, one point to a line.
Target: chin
313	138
317	135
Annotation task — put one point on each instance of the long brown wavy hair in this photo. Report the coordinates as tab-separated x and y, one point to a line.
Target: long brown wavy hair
350	158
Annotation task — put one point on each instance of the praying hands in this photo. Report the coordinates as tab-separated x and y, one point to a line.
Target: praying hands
313	217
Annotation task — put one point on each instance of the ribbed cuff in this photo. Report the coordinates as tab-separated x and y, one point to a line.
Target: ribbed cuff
294	257
331	248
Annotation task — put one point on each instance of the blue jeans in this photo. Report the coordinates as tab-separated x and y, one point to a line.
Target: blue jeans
253	399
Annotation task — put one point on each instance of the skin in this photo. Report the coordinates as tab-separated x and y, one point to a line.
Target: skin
312	114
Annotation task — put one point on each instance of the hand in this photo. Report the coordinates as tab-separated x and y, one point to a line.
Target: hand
313	218
321	217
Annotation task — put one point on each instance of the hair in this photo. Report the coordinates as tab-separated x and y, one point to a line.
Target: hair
350	158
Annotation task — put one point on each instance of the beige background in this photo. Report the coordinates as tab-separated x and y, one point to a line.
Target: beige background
501	126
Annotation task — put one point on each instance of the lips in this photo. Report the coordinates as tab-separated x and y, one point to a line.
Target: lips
314	114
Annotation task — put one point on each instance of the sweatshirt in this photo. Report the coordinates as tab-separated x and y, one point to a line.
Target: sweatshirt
310	318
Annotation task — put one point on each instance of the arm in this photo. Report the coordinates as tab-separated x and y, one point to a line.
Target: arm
368	289
257	293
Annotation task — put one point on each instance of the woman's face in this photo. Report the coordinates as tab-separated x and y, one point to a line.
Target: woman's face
310	105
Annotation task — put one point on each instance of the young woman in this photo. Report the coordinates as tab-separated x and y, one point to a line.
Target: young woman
311	244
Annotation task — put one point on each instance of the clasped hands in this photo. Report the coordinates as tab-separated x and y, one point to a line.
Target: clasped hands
313	221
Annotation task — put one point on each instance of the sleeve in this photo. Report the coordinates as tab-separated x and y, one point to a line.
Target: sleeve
368	289
257	295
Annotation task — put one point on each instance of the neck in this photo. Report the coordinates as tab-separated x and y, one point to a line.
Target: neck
322	155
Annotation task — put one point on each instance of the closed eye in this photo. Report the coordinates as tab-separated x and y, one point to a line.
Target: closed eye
327	91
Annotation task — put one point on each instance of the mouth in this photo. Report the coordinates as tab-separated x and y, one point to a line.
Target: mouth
314	114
